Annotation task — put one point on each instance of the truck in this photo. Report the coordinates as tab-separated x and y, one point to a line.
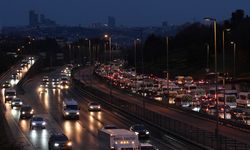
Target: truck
243	99
70	109
118	139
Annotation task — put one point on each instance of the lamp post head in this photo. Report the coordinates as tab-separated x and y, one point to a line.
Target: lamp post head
209	19
228	29
106	36
232	42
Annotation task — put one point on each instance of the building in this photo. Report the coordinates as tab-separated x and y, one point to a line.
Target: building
111	22
33	18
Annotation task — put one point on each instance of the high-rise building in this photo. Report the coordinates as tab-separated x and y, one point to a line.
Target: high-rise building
111	22
33	18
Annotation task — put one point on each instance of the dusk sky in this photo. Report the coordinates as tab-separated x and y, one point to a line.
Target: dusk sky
126	12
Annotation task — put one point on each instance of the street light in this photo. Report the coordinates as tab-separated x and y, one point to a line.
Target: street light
223	47
89	46
216	75
135	48
234	46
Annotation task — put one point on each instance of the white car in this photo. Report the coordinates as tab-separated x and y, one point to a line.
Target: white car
93	106
37	122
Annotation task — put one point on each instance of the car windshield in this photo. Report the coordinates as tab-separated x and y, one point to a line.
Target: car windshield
11	93
72	107
139	127
60	138
37	119
95	104
26	108
17	100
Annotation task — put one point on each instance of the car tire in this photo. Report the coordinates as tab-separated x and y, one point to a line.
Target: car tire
11	107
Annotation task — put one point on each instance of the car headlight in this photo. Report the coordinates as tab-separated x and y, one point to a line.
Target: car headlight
56	144
32	111
13	103
33	123
77	113
136	133
6	96
91	107
147	132
44	123
21	103
23	112
67	113
69	144
99	107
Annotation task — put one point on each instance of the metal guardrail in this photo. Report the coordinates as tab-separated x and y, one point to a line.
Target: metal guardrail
189	133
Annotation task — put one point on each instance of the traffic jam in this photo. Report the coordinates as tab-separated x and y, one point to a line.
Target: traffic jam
184	92
135	137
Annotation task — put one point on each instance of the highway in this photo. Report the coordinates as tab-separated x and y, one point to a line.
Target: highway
82	132
208	125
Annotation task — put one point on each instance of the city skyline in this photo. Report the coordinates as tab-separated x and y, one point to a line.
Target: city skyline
129	13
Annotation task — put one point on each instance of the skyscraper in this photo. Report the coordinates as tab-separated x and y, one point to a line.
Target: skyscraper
111	22
33	18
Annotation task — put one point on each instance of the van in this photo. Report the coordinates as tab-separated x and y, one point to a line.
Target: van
70	109
9	94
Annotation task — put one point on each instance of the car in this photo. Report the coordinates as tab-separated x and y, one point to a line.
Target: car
46	80
31	58
237	112
59	141
93	106
37	122
16	103
109	126
43	88
14	76
26	112
140	130
55	83
6	84
64	85
19	71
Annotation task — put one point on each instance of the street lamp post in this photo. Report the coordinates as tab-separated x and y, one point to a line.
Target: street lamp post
167	70
89	47
135	51
223	47
216	76
234	46
207	49
110	49
223	65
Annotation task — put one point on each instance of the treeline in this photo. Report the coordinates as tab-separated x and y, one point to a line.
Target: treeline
188	48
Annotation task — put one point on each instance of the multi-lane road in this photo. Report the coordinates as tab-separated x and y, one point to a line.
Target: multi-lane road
83	132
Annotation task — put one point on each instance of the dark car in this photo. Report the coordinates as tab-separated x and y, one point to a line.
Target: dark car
59	141
16	103
237	113
6	84
26	112
140	130
37	122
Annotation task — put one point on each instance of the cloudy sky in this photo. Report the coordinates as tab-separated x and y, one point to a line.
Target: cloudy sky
126	12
